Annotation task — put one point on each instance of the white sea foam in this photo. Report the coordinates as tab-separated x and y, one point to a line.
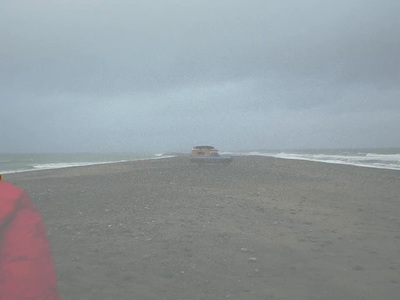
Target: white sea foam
160	157
29	167
51	166
370	160
68	165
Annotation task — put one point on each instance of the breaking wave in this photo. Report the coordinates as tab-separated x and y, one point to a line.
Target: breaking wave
370	160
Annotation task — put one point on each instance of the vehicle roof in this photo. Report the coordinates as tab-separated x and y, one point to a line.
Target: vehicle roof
203	147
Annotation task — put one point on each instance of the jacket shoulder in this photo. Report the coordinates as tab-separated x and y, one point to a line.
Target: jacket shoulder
9	191
9	198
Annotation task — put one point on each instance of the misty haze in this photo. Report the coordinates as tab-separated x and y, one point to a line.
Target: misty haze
193	149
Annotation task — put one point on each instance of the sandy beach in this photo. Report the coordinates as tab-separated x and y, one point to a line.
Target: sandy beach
260	228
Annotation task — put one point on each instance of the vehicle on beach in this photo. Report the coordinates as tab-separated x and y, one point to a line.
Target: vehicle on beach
203	155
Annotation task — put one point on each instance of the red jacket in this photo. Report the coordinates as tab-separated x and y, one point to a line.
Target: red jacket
26	266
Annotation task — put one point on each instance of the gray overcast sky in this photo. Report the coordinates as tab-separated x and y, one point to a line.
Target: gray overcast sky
96	75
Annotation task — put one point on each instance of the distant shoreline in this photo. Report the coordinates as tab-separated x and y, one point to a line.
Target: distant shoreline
185	156
84	164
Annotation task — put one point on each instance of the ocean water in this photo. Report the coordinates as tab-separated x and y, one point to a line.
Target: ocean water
13	163
383	158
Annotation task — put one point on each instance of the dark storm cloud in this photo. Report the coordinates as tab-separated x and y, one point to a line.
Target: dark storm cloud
249	71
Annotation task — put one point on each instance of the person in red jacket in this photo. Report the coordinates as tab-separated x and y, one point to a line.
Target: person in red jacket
26	265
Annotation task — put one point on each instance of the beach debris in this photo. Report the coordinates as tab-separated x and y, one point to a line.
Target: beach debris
260	208
358	268
223	235
127	277
252	259
246	250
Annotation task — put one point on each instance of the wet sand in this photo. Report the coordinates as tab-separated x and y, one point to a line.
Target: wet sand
260	228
